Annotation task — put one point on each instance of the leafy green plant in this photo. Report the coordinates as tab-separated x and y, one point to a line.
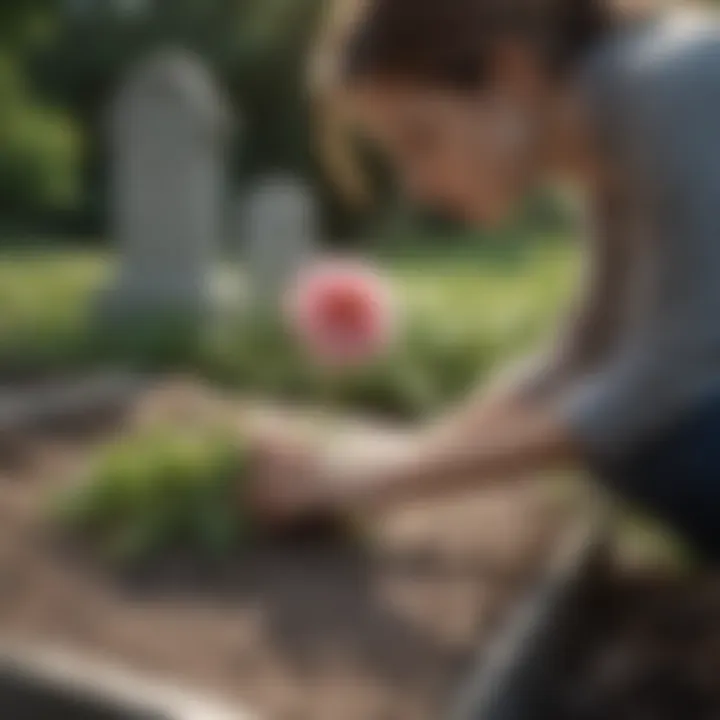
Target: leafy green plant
158	491
177	492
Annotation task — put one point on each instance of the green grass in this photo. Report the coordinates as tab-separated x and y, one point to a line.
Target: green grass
47	301
463	313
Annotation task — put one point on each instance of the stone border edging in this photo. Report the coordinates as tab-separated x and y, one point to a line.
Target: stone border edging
509	681
66	676
58	402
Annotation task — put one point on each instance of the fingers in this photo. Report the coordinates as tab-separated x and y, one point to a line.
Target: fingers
281	478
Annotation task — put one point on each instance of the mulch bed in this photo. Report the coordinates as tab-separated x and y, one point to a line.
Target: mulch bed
310	630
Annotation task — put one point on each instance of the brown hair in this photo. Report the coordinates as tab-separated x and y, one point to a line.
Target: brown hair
447	43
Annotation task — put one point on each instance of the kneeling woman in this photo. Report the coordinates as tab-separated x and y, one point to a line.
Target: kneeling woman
473	102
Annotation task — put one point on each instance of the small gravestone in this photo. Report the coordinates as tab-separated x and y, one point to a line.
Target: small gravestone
169	129
281	231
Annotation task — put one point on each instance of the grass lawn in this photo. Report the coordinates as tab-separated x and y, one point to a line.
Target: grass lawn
464	313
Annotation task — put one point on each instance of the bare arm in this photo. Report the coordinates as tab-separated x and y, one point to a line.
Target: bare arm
503	437
503	433
512	428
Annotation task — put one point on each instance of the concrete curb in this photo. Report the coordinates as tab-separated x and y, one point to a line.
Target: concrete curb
37	681
510	681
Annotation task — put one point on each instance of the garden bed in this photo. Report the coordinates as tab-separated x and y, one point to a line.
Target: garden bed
311	630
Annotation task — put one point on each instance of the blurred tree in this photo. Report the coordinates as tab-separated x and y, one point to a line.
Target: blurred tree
20	22
62	60
39	149
75	53
39	143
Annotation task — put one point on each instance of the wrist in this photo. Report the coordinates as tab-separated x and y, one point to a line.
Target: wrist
365	471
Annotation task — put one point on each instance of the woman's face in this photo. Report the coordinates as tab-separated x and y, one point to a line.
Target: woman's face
471	157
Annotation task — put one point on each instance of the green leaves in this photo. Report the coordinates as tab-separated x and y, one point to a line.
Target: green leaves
159	491
175	493
40	147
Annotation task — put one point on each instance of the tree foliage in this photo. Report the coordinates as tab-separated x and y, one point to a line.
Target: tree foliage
65	58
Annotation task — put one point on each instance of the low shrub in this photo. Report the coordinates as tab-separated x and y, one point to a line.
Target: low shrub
158	491
177	492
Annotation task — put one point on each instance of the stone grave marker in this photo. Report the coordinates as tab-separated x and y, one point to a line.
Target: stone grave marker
281	231
169	127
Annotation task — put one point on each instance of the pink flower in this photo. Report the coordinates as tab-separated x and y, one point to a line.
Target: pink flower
342	312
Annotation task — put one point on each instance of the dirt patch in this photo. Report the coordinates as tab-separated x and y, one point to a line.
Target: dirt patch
310	631
647	645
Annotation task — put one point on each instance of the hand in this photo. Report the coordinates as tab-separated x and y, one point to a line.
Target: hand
287	483
296	476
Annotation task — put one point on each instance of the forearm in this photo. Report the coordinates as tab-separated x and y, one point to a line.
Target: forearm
491	440
524	386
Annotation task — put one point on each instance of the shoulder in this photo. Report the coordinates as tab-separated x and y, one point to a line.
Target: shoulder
655	83
680	50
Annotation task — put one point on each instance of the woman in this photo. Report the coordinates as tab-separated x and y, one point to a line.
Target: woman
474	101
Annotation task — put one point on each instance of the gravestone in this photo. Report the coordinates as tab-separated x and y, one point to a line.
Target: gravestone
169	127
281	231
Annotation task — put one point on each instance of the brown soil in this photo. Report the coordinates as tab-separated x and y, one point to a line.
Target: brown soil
311	631
647	646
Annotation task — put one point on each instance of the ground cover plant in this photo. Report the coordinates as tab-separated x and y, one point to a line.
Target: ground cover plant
160	490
